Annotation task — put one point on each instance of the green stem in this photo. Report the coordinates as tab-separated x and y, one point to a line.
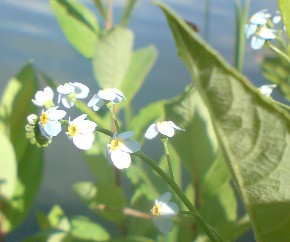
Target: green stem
282	105
278	52
164	141
111	108
199	219
193	214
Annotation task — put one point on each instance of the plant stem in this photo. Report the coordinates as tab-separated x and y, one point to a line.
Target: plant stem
164	141
109	20
278	52
199	219
111	108
193	214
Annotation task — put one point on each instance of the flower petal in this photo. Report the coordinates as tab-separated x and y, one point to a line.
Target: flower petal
78	120
87	126
151	132
107	94
165	128
125	135
81	90
83	141
52	128
257	43
169	209
67	102
250	29
130	146
174	125
48	93
164	198
65	89
164	225
120	159
56	114
266	33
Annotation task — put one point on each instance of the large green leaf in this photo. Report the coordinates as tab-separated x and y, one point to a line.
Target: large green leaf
141	63
78	23
15	106
198	149
253	132
284	6
8	168
112	57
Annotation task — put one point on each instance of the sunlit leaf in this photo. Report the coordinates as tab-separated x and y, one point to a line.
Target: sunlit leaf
15	106
141	63
253	132
284	6
85	229
78	23
8	167
112	57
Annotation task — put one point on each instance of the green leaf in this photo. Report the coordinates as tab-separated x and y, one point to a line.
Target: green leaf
8	167
253	132
79	25
132	239
284	6
127	12
85	229
210	177
112	57
14	108
110	205
16	105
141	63
146	116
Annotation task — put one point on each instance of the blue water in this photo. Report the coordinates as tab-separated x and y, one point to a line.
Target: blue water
29	31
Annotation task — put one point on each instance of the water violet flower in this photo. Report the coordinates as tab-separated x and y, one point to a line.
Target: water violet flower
266	90
81	132
258	19
166	128
49	121
163	211
80	90
113	95
44	98
120	148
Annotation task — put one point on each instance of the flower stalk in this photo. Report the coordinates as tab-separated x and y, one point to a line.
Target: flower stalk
165	144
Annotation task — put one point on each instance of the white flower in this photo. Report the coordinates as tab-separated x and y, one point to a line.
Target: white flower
113	95
166	128
48	121
80	90
276	18
81	132
31	119
258	19
120	148
163	211
44	98
262	34
266	90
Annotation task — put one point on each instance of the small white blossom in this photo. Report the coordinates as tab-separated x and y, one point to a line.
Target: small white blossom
49	121
44	98
81	132
163	211
113	95
166	128
266	90
120	148
263	34
258	19
80	90
31	119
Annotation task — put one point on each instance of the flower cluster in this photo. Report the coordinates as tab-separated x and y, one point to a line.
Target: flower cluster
41	129
258	30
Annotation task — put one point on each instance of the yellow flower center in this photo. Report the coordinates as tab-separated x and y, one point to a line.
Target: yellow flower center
160	123
43	118
72	130
156	210
115	144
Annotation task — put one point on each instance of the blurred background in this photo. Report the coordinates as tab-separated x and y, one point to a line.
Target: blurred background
29	31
